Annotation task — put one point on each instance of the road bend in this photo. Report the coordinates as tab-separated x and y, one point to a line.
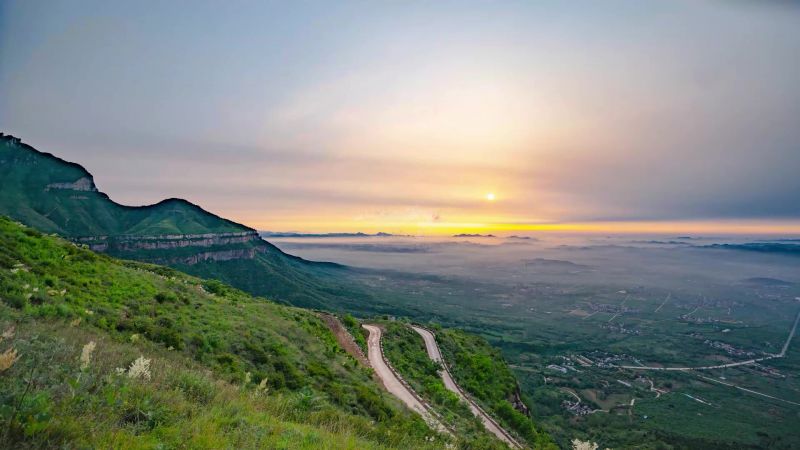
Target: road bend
392	383
436	355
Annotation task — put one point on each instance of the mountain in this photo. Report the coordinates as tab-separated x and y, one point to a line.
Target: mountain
55	196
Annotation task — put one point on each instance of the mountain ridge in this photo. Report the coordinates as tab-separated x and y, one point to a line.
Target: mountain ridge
53	195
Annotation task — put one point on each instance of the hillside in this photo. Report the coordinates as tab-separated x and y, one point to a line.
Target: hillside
56	196
222	369
479	368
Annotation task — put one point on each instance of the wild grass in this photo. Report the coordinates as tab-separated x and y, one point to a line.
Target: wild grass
405	349
118	354
481	370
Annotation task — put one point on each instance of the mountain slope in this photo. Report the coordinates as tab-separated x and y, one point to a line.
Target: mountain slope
56	196
225	369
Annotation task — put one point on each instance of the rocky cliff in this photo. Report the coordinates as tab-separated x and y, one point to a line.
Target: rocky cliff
202	247
166	241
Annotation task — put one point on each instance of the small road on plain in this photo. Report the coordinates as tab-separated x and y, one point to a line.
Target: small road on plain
436	355
392	383
782	354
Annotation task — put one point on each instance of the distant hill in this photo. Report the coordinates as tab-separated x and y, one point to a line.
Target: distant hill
55	196
467	235
766	281
524	238
278	234
761	247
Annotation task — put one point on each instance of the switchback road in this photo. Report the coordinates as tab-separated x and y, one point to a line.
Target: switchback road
392	383
433	352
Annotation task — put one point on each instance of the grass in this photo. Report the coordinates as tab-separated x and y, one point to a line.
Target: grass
56	402
228	369
357	331
482	372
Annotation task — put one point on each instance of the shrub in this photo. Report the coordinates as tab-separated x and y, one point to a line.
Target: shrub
195	387
166	297
15	300
214	287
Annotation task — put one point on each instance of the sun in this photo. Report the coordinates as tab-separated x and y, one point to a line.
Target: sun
490	196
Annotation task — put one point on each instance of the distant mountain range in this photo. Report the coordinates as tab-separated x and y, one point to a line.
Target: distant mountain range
55	196
279	234
467	235
761	247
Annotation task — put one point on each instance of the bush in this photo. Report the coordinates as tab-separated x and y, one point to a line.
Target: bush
214	287
15	300
195	387
166	297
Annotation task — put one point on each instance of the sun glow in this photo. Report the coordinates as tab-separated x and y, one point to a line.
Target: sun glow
490	196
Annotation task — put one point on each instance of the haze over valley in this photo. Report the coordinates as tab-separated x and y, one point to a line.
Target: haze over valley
571	309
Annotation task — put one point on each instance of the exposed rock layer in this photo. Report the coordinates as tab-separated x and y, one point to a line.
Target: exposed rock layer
209	246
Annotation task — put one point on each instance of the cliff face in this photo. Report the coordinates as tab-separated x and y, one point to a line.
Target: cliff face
518	404
166	241
197	247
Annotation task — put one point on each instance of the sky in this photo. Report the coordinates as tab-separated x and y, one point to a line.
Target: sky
404	116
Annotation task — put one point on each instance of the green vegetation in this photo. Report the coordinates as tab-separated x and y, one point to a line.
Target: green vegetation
538	323
284	278
39	190
405	349
481	370
355	329
226	370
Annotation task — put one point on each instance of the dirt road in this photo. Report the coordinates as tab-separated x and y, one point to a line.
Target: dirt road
436	355
392	383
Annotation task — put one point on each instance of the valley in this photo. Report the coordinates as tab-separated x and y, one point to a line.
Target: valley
581	317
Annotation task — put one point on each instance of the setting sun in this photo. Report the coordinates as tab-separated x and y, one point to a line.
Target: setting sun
490	197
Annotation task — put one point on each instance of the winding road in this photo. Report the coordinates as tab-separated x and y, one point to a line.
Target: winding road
436	355
392	383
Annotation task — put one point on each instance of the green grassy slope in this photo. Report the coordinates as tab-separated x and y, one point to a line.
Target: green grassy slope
227	369
291	280
481	370
477	367
406	351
